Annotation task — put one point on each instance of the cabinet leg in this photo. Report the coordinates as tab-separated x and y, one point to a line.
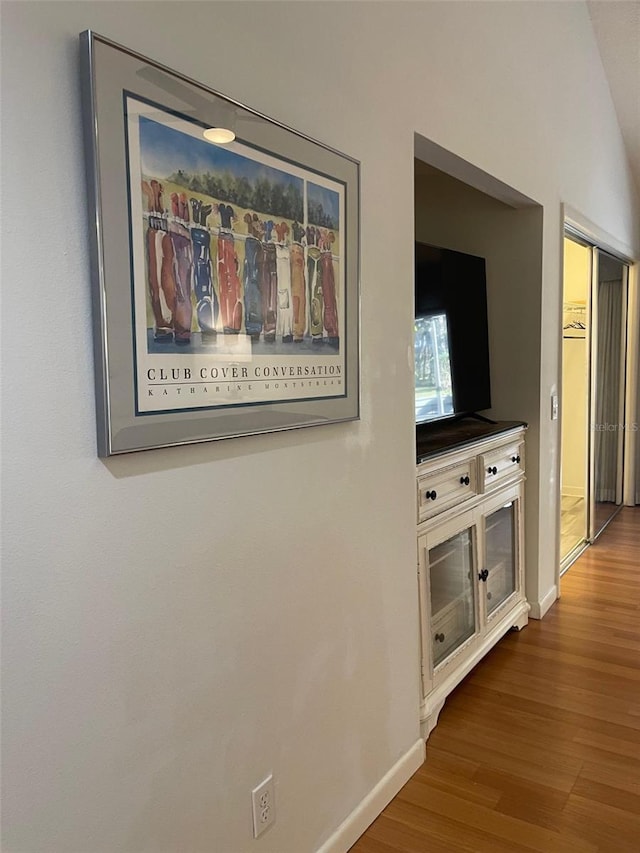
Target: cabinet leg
522	622
431	721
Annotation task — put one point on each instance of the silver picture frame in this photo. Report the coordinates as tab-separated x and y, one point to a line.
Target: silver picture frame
225	277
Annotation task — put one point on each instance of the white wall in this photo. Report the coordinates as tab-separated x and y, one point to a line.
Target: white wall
162	651
632	411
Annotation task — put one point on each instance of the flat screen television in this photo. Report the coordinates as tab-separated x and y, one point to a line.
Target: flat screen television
451	334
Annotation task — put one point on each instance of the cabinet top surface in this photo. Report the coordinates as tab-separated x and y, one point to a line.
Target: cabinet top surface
437	438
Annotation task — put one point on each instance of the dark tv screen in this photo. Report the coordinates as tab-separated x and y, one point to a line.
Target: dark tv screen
451	334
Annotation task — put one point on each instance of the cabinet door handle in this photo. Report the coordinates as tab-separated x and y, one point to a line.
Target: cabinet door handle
464	481
489	596
431	496
439	638
515	458
483	575
493	470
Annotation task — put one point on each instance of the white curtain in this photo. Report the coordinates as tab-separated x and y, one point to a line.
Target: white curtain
606	427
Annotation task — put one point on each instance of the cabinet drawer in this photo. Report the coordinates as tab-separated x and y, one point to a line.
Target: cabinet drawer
449	630
445	634
445	487
498	465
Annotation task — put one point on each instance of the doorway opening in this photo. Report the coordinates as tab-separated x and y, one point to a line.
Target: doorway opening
594	355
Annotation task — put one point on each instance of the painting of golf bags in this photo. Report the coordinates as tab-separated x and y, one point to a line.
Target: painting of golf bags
236	253
242	256
231	246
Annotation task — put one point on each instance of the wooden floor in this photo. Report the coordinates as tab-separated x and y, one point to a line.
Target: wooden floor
539	747
573	524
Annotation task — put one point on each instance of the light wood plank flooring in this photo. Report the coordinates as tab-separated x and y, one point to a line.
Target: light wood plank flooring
539	748
573	524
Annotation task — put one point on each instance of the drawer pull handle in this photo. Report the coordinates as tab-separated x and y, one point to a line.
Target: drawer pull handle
439	638
483	575
515	458
464	481
431	496
493	470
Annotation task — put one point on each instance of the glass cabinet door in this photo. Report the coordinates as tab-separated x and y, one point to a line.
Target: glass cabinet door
452	584
500	556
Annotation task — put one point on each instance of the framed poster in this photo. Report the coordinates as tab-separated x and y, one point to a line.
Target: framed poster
225	262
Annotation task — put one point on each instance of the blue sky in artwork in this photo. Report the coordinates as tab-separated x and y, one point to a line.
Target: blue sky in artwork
164	150
327	198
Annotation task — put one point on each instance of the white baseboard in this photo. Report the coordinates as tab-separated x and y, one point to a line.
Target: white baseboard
368	809
539	608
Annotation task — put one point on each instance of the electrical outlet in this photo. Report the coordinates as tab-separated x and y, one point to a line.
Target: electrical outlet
264	806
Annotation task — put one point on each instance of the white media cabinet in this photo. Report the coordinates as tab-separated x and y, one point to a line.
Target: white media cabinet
470	485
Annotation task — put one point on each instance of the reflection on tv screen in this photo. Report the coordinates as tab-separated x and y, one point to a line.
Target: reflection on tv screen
434	395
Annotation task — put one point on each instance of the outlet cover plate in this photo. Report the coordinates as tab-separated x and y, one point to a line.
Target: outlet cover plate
263	804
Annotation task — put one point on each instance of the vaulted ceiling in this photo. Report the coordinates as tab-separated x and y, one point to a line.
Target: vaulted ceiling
616	24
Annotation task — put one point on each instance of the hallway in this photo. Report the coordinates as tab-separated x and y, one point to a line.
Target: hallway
539	748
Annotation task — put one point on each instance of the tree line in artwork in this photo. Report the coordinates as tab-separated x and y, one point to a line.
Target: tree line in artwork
278	199
318	216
